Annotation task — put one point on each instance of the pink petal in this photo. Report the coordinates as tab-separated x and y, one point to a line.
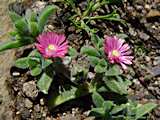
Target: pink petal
123	66
51	38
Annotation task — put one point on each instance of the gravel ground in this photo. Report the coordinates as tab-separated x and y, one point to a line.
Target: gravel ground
142	29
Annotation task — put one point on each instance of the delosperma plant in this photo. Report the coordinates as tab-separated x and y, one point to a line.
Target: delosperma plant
107	56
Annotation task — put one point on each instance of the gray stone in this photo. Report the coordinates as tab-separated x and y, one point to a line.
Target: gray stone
143	36
132	32
16	74
90	75
28	103
37	108
30	89
42	101
25	114
38	6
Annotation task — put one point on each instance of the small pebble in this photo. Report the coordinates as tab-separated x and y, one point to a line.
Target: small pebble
147	7
50	27
18	112
71	29
147	58
37	108
90	75
155	63
42	101
86	113
64	114
44	114
67	60
16	74
144	36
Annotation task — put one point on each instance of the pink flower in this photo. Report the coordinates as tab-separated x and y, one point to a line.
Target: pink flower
118	51
52	45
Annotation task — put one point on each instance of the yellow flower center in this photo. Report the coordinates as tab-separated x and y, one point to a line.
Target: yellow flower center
115	53
51	47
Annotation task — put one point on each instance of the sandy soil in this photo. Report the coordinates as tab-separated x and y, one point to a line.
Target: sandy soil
6	61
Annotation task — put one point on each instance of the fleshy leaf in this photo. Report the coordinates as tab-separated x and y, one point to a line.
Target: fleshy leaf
44	83
144	109
117	87
46	63
97	99
94	60
113	71
30	16
44	16
33	61
21	26
97	112
96	40
90	51
59	98
33	28
35	71
11	44
117	108
99	69
22	63
72	52
14	16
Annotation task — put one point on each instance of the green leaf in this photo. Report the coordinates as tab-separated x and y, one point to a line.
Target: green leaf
72	52
35	71
49	10
97	112
107	105
26	39
62	97
46	63
115	86
144	109
33	61
30	16
94	60
97	99
22	26
110	17
33	28
34	53
11	44
14	16
96	40
113	71
44	83
22	63
103	62
13	33
90	51
118	108
99	69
